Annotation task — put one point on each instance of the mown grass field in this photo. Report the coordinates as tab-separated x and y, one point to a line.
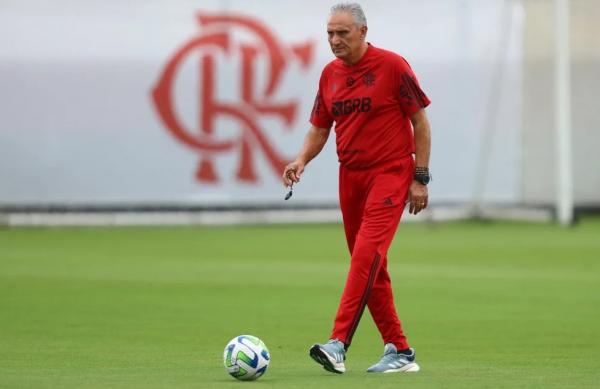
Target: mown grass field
485	305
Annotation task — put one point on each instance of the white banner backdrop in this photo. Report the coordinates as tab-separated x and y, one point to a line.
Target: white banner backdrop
201	103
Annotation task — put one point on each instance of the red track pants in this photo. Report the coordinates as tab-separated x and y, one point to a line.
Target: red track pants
372	202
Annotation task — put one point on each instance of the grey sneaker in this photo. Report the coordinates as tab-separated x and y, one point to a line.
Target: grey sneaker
331	355
392	362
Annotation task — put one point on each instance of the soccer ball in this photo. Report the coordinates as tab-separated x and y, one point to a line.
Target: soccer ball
246	357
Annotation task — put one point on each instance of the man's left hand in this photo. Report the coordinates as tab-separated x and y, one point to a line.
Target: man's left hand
417	197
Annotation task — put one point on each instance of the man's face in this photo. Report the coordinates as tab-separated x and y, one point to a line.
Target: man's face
345	37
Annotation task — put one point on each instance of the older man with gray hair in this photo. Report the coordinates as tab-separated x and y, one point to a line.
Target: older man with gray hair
383	146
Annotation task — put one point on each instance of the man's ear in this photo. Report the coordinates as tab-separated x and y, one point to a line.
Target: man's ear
363	32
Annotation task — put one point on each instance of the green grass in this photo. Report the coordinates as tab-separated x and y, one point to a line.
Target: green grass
486	305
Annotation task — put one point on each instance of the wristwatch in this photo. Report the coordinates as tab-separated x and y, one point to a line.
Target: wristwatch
422	175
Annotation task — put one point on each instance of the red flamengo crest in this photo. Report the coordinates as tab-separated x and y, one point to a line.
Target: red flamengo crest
218	38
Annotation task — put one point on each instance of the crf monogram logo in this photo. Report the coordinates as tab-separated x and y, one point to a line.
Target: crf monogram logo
221	39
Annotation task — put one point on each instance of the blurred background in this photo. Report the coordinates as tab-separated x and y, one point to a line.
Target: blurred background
145	112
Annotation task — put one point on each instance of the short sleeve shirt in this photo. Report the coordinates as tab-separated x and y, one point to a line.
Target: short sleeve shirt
371	103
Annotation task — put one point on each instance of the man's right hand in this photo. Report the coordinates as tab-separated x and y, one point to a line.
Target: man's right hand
292	173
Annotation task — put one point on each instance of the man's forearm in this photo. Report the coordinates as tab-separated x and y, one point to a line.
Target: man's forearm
422	141
313	144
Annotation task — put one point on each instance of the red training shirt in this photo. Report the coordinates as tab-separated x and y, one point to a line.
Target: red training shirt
371	103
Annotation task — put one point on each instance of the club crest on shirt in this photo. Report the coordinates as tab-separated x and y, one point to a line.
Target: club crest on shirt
350	81
369	79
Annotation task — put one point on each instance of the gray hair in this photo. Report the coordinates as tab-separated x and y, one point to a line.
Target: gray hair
352	8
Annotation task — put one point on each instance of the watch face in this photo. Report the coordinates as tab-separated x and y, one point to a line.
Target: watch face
423	179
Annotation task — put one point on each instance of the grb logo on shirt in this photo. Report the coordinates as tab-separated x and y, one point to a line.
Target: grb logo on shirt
348	106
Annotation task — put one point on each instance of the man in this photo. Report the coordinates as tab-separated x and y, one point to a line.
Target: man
377	105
